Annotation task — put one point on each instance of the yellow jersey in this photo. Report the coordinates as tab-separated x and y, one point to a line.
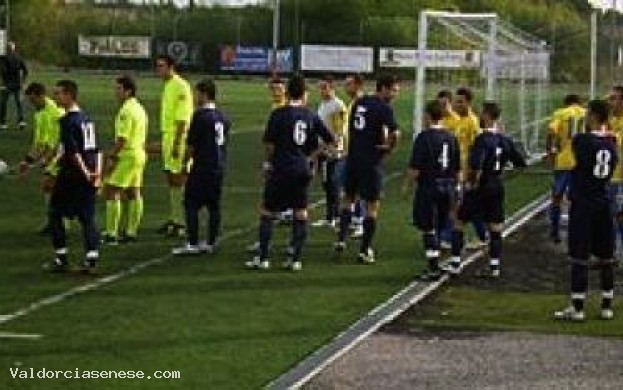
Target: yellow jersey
466	129
565	123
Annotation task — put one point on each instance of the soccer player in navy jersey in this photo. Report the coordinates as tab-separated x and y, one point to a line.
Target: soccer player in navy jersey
79	176
484	192
591	226
373	135
292	145
207	141
435	164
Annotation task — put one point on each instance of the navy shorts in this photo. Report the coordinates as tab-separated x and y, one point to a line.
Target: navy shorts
591	230
484	204
562	180
616	196
203	190
433	204
284	192
73	199
365	182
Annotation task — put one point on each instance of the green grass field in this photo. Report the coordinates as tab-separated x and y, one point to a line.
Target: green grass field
220	326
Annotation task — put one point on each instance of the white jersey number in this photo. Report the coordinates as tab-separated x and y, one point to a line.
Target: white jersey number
360	120
88	136
219	133
602	164
300	133
498	157
444	158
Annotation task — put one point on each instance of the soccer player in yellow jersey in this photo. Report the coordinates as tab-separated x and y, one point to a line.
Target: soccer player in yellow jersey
332	112
449	116
46	137
176	110
277	89
615	100
126	164
565	123
466	126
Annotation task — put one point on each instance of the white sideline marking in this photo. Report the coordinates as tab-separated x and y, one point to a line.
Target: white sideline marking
11	335
54	299
386	312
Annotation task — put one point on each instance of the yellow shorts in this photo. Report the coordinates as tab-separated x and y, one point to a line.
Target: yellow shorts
170	164
128	172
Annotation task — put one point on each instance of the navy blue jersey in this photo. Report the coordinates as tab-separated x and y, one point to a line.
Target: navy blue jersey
490	154
436	155
371	119
78	136
596	158
208	135
294	131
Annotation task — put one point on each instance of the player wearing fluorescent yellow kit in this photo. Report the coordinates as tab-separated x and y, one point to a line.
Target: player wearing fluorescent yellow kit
126	164
615	101
175	113
565	123
45	139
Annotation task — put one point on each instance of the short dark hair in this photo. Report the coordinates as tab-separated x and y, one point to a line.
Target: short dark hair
207	87
572	99
356	78
169	60
128	84
434	110
70	87
599	109
36	89
296	87
386	81
444	94
492	109
329	79
466	93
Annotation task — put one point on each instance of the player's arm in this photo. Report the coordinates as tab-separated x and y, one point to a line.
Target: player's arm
329	139
476	162
184	111
456	161
416	162
191	140
551	142
515	156
393	132
269	139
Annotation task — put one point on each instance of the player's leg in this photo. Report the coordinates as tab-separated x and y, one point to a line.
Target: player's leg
272	203
603	240
332	191
4	100
192	205
579	241
176	194
424	216
86	217
134	199
351	189
215	214
59	238
372	186
299	223
492	206
20	109
561	179
113	214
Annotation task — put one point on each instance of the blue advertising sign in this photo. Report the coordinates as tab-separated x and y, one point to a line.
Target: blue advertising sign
255	59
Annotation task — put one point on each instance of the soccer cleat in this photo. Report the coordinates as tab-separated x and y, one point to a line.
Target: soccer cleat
476	244
431	276
4	126
186	250
292	265
323	223
606	314
89	265
109	240
257	263
452	267
357	232
339	246
176	230
569	314
59	264
165	228
366	257
22	125
204	247
488	272
445	245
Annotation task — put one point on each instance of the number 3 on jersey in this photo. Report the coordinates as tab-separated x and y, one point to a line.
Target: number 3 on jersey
300	133
602	164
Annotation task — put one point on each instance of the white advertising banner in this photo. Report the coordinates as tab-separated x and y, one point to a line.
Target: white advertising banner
134	47
435	59
343	59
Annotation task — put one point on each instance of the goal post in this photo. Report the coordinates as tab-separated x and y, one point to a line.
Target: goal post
512	68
